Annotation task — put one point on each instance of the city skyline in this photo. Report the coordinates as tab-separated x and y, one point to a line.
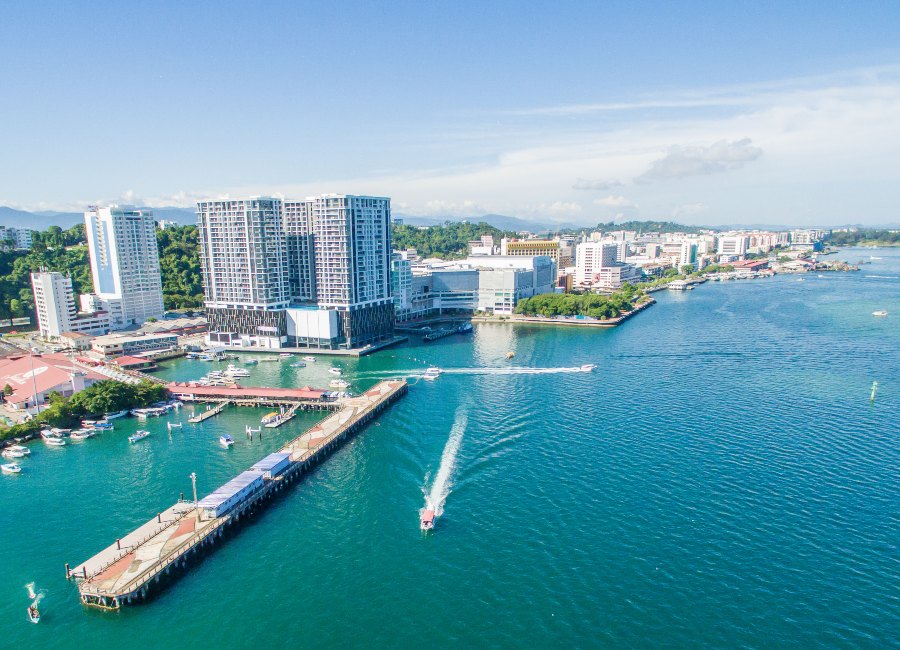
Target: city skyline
696	114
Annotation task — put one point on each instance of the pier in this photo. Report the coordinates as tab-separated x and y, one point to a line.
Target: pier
208	413
129	570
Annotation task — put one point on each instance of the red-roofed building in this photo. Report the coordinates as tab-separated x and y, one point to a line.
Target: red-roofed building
41	375
134	363
750	265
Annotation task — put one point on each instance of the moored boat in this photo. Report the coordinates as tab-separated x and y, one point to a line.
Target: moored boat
226	441
285	355
140	435
234	371
339	383
336	371
16	451
115	415
270	417
83	434
10	468
310	359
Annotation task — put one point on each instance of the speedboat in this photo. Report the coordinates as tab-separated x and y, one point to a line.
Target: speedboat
336	371
310	359
251	362
115	415
298	364
55	442
465	328
226	441
880	312
140	435
432	373
83	434
426	520
103	426
339	383
10	468
33	614
16	451
588	367
234	371
285	355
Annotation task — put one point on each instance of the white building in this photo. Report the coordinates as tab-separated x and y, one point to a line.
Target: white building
125	263
54	303
590	257
15	238
733	245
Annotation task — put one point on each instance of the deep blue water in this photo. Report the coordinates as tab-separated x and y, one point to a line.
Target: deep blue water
721	480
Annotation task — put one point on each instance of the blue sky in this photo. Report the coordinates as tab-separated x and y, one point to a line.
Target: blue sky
569	112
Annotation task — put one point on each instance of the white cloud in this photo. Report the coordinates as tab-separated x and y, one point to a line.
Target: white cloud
615	202
693	160
689	210
601	185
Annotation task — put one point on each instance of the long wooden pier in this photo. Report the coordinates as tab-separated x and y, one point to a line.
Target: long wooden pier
208	413
130	569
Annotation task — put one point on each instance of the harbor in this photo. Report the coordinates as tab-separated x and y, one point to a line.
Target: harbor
130	569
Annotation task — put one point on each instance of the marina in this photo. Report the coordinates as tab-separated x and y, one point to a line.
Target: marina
128	570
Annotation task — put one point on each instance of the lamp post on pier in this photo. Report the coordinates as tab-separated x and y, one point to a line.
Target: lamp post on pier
194	486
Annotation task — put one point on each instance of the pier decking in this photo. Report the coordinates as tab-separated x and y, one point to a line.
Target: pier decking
208	413
126	571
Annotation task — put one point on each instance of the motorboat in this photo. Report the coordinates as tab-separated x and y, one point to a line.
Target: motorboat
880	312
88	423
310	359
336	371
234	371
251	362
510	355
426	520
226	441
140	435
270	417
588	367
338	383
10	468
298	364
465	328
103	426
83	434
115	415
16	451
432	373
285	355
34	615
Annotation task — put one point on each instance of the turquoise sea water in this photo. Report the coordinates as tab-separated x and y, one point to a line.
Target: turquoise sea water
721	480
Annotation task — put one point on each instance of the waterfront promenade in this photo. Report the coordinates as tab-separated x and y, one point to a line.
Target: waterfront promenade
128	570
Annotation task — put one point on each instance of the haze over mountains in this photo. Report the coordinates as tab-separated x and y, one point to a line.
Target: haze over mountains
41	220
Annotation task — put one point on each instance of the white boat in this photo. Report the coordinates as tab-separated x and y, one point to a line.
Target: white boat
880	312
588	367
10	468
140	435
234	371
88	423
55	442
33	614
339	383
83	434
16	451
298	364
115	415
872	257
270	417
251	362
226	441
432	373
285	355
310	359
336	371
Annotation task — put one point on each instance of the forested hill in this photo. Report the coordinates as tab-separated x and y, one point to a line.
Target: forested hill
447	241
66	251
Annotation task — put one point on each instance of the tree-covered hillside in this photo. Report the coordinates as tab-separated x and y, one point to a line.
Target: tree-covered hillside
448	241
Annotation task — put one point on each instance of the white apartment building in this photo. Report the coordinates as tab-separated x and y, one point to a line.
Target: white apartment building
54	303
125	263
733	245
17	238
244	259
590	257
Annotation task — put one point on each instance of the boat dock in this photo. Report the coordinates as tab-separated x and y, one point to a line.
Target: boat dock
287	416
208	413
127	571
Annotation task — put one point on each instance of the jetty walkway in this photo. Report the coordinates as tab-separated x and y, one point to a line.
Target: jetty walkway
128	570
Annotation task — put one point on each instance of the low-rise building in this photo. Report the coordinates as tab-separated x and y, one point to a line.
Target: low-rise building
113	345
33	378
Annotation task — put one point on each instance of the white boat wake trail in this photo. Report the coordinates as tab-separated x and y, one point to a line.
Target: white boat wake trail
476	371
33	596
442	485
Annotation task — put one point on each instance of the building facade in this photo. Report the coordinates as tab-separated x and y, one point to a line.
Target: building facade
125	263
15	238
54	302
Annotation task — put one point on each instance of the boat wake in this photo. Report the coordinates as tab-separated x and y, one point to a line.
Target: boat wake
34	596
442	485
478	371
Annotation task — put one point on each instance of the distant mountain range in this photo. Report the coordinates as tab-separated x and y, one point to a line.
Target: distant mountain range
14	218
